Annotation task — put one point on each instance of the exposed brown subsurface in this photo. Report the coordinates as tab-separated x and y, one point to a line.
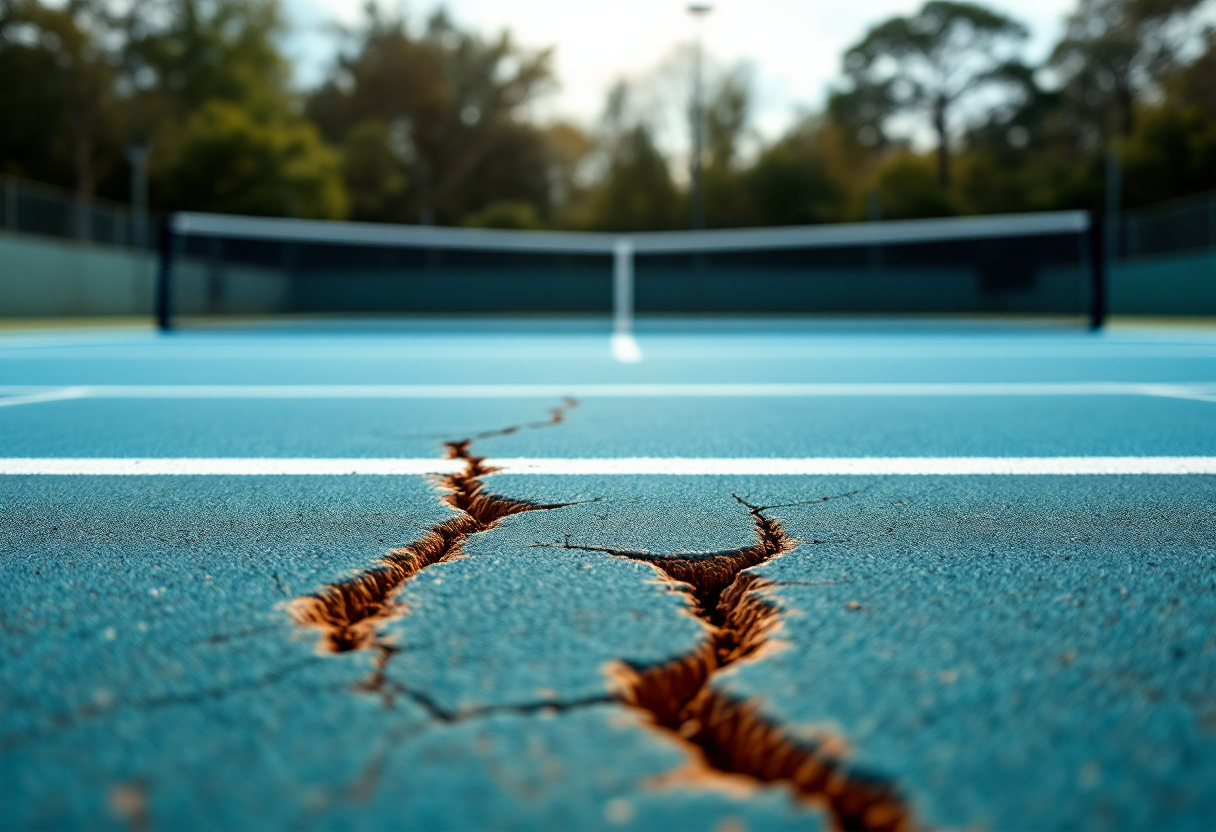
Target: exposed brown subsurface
348	613
732	742
729	736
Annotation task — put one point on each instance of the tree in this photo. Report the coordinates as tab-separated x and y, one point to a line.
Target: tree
727	113
1191	85
373	173
1171	152
636	193
452	101
227	161
197	51
1172	148
519	216
56	112
908	189
928	64
567	148
802	177
1114	51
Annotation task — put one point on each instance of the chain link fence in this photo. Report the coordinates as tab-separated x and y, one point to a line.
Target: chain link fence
1180	225
33	208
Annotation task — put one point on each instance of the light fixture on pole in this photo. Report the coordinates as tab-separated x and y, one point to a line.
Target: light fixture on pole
698	11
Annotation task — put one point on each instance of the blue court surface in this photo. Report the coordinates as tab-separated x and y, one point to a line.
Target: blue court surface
479	574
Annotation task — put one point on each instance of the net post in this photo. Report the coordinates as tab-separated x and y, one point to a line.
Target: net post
164	276
622	287
1097	272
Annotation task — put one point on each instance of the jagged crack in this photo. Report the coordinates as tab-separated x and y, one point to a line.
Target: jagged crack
729	736
348	613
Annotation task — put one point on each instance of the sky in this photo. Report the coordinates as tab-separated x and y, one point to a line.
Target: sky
793	48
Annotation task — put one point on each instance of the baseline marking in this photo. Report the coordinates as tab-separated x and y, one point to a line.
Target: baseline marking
29	394
634	466
51	395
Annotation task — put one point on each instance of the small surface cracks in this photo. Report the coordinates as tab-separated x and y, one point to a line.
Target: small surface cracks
390	689
67	719
557	415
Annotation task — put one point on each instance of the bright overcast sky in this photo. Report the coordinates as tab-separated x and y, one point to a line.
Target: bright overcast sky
792	47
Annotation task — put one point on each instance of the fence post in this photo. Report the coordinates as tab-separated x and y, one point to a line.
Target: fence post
1098	251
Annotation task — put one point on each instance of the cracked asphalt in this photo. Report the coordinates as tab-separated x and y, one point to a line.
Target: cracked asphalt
1006	652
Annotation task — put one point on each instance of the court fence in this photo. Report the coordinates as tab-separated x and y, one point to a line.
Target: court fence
45	210
1179	225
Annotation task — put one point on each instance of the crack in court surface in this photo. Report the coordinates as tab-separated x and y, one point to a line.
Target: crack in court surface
724	736
348	613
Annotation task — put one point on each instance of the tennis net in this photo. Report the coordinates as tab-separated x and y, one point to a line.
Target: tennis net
1041	265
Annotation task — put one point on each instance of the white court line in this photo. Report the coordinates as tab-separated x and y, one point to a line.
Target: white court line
52	395
223	466
625	348
879	466
1202	391
634	466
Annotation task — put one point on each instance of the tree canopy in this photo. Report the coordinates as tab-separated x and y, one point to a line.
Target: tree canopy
425	120
928	65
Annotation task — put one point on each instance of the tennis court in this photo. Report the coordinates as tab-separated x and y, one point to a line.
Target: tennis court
935	575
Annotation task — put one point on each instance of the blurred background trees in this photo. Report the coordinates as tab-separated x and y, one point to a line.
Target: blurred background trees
936	113
928	65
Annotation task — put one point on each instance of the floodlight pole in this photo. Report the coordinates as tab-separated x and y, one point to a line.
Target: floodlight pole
698	11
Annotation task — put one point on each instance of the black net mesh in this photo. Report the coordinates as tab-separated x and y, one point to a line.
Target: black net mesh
1039	272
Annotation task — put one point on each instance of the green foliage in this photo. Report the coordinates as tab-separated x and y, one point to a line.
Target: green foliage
375	177
909	189
1171	152
452	100
637	192
790	186
727	203
520	216
209	50
927	64
726	115
432	123
57	120
225	161
1114	51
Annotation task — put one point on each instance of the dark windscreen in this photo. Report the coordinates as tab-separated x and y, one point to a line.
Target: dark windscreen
1039	275
233	276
